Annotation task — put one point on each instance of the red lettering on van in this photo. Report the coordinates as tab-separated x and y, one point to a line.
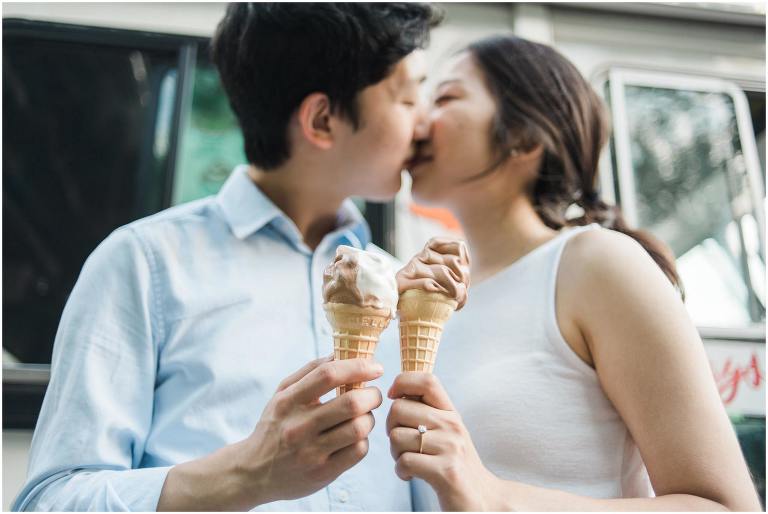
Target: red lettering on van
731	376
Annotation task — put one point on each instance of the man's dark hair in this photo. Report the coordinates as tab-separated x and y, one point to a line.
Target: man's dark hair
270	56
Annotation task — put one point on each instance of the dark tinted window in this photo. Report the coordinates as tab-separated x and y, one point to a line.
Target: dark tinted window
85	146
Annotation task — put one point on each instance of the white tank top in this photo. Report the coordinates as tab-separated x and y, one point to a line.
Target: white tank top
535	410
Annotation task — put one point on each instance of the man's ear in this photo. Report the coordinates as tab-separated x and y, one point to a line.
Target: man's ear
314	117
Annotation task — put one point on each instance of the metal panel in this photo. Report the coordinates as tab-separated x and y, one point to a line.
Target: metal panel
623	148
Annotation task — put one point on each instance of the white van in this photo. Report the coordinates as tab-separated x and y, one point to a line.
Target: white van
114	111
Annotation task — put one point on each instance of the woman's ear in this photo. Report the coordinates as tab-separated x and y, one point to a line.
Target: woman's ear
527	161
534	152
524	145
314	117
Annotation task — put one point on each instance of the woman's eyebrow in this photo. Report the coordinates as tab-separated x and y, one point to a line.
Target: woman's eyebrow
447	81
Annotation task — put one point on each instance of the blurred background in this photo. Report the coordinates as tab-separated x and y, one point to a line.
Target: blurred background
113	112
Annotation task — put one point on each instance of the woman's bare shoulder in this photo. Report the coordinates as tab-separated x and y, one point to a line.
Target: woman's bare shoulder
604	273
598	257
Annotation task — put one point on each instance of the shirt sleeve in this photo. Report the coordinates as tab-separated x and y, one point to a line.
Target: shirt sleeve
93	425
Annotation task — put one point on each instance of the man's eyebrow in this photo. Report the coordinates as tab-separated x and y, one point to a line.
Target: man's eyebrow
418	81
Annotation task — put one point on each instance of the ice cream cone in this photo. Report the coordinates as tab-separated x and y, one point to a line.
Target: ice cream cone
356	332
422	317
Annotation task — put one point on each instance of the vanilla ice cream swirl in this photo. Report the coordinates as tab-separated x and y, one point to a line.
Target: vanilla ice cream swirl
361	278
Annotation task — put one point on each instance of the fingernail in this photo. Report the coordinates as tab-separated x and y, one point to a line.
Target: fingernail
378	368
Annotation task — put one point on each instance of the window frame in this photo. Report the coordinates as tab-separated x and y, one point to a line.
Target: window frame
617	181
185	46
619	77
25	383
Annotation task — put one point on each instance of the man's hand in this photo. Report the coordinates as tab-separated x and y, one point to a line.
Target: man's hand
298	446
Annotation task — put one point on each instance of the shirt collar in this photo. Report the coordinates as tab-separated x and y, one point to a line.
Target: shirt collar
247	210
352	225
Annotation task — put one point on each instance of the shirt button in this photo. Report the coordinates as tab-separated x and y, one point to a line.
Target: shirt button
343	496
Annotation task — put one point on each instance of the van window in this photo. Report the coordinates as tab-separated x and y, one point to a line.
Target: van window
688	172
85	149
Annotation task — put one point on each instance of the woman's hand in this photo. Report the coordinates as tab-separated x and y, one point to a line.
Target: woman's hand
448	461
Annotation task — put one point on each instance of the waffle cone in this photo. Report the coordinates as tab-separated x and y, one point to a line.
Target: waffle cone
422	317
356	332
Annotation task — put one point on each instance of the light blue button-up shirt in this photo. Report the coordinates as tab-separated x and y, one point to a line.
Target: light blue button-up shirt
175	337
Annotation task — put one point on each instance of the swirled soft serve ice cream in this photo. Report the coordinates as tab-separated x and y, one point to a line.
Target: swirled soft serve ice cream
432	285
360	298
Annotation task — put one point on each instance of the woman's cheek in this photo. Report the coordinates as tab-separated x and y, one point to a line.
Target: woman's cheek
438	127
440	137
448	132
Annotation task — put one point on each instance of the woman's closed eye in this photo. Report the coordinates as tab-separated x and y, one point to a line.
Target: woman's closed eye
443	99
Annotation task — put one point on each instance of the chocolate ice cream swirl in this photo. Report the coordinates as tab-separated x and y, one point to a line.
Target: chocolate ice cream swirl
441	267
340	280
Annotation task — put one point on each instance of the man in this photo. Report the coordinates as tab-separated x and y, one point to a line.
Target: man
173	382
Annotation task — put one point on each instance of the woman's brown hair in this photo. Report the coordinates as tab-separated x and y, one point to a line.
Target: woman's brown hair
543	99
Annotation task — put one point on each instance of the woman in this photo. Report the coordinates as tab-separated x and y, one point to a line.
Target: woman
574	378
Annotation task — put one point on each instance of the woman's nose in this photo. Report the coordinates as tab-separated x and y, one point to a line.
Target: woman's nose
423	122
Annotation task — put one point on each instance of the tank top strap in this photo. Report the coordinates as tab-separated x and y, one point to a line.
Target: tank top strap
556	252
553	333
